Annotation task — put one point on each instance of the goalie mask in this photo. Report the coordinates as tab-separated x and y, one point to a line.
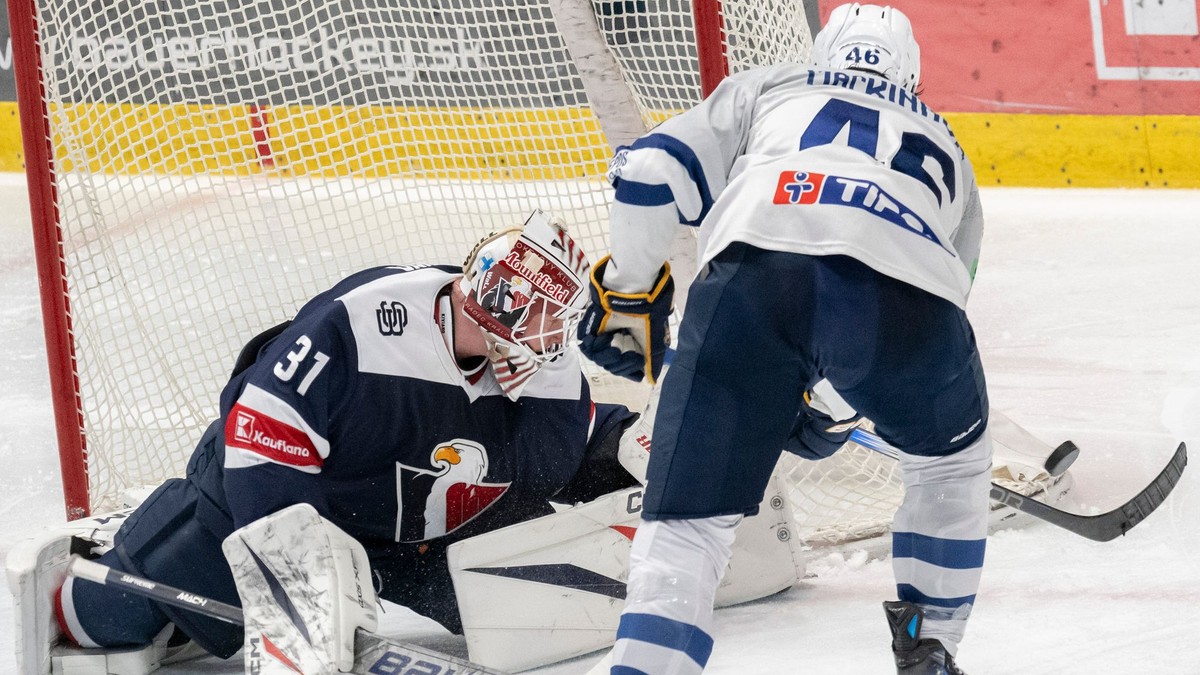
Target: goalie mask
871	38
526	289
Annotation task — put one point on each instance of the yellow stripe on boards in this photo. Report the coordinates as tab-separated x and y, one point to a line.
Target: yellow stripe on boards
325	141
1016	149
12	155
1027	150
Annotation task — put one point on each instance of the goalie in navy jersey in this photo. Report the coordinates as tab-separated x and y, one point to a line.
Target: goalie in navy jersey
411	406
839	228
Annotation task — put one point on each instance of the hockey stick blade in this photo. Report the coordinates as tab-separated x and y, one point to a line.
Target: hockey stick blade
372	653
1103	526
1099	527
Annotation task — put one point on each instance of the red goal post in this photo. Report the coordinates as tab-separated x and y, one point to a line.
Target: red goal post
199	169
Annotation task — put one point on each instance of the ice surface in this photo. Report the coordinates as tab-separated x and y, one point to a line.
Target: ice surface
1087	312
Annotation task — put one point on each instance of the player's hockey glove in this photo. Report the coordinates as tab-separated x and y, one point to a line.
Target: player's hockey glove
815	434
627	334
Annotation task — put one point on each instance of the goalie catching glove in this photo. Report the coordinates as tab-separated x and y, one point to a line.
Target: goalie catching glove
627	334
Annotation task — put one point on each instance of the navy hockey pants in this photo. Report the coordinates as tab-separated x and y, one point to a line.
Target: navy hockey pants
165	541
761	327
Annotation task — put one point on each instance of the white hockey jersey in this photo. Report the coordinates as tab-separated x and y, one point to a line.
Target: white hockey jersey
819	162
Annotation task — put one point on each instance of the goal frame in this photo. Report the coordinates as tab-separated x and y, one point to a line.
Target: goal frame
48	254
69	418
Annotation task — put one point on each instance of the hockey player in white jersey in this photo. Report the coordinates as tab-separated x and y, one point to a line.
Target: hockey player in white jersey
412	407
839	227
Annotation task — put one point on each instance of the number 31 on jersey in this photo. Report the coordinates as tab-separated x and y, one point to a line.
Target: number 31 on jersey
285	370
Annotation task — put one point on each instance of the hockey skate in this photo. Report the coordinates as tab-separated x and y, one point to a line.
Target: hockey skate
916	656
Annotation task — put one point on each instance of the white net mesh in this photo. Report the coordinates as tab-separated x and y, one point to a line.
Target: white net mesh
220	161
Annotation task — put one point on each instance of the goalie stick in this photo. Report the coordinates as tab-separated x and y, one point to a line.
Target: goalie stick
373	653
1100	527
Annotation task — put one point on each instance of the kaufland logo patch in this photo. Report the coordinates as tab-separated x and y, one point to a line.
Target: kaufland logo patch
246	433
244	429
261	440
261	434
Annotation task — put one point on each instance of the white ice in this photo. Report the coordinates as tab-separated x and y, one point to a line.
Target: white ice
1087	312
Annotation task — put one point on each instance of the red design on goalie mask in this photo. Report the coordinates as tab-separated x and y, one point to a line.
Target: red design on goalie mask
526	294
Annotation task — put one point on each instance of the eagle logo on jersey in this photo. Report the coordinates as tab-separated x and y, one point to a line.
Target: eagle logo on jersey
436	502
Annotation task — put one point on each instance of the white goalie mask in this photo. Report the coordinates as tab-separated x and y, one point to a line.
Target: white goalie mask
526	288
871	38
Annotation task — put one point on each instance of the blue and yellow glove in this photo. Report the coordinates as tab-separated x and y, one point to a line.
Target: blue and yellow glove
627	334
815	434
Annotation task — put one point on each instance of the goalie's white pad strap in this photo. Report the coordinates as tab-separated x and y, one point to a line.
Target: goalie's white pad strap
305	587
68	660
556	584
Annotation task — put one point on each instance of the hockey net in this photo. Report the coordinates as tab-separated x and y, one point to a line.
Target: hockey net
201	168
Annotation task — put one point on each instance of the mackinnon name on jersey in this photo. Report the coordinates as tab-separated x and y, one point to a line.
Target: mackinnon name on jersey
881	89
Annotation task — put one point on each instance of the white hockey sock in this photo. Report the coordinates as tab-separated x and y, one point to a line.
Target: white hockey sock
939	535
675	566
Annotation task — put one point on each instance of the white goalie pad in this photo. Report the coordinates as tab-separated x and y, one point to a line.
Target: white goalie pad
36	569
1017	455
305	587
556	585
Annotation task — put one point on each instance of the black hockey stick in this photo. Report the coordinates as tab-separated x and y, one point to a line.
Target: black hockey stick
372	653
1100	527
168	595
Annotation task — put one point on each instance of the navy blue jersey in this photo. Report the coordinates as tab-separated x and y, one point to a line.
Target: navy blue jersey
359	408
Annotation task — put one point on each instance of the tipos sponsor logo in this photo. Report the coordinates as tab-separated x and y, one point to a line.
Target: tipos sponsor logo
806	187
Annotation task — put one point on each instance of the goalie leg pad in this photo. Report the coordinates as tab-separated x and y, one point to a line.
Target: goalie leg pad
36	570
305	587
556	585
